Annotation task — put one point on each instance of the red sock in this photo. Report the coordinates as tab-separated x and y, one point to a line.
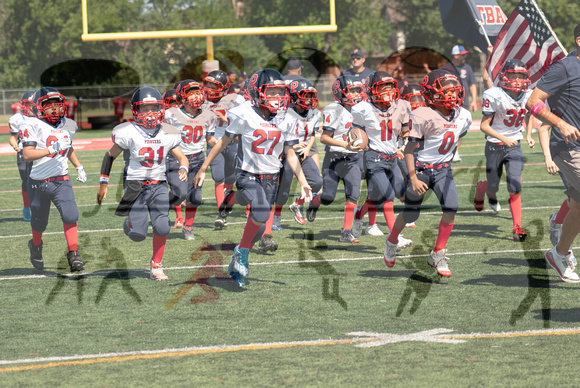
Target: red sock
389	214
316	201
229	187
372	215
269	222
366	207
394	235
219	193
516	208
299	201
25	199
231	200
189	215
178	213
72	236
348	215
158	248
278	210
249	232
562	212
443	235
36	237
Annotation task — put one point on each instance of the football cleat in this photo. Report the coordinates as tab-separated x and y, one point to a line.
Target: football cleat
266	244
156	272
298	217
225	209
188	233
390	253
403	243
276	223
564	265
357	225
220	223
555	230
410	225
178	222
438	261
519	234
36	256
494	204
311	213
74	261
239	264
346	236
479	198
373	230
26	214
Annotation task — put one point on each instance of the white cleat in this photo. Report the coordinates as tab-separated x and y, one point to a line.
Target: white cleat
373	230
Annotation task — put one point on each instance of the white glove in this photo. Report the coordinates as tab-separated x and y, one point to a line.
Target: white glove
57	147
82	175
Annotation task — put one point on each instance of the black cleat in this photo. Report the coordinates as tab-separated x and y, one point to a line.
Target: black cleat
311	213
36	256
74	261
225	209
266	244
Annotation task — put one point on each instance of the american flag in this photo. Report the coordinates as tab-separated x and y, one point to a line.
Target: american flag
527	37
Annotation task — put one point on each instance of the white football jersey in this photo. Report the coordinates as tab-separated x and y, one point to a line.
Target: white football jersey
261	141
508	114
148	148
40	134
383	128
437	135
338	120
304	126
14	122
227	102
193	129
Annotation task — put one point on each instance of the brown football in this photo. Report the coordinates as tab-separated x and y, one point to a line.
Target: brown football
359	137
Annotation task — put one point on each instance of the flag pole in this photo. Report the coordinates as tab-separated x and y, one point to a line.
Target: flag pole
548	25
483	31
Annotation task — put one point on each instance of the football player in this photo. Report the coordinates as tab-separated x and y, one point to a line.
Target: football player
170	99
436	129
148	140
384	119
504	116
342	157
223	168
16	143
193	123
303	118
47	142
262	140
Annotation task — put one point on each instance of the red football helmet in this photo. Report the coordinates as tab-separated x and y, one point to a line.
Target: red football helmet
190	93
442	88
383	88
303	94
518	84
269	91
412	93
216	85
48	105
147	96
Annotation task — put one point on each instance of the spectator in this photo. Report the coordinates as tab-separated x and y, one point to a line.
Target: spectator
357	69
466	76
399	75
233	76
294	69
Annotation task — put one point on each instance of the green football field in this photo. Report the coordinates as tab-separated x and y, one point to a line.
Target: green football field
315	313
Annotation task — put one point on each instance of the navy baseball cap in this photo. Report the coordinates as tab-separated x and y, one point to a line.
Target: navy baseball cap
294	64
357	53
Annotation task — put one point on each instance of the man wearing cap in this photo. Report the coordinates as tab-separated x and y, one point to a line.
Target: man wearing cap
466	76
357	69
233	76
294	69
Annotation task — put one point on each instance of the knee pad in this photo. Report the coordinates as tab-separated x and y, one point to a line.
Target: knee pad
260	213
194	198
410	214
161	226
70	216
326	200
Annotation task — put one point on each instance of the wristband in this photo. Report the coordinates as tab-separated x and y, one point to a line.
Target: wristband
184	168
104	179
538	106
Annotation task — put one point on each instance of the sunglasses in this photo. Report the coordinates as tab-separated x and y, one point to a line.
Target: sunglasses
354	57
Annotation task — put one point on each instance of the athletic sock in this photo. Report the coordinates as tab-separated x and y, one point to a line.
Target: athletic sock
394	235
389	213
219	193
561	215
189	215
443	235
72	236
250	231
348	215
158	249
516	208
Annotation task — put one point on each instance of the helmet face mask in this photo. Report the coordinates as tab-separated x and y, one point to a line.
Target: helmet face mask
347	90
383	88
441	88
269	91
48	105
26	103
190	93
170	99
147	107
303	94
514	76
216	85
